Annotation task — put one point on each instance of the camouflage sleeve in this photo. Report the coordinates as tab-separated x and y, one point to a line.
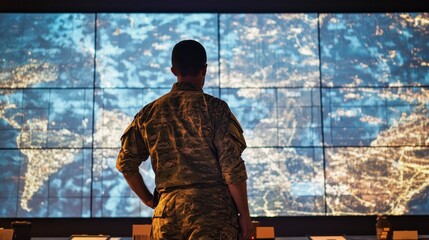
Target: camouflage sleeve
230	143
133	150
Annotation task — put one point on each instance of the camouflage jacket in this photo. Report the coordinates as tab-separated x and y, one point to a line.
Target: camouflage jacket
191	138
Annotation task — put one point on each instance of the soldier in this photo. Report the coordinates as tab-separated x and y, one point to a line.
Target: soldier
195	145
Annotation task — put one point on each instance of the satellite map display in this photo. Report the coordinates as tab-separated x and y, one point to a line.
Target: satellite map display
334	107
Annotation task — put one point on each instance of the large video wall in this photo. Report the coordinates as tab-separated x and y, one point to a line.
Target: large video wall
335	108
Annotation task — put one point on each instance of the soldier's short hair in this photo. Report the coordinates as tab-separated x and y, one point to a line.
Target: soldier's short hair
189	57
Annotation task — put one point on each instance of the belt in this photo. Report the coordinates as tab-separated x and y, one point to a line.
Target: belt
192	186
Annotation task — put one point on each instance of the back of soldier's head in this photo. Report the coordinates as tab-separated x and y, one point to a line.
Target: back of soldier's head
189	57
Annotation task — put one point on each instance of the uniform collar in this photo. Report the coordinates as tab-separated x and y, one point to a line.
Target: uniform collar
186	86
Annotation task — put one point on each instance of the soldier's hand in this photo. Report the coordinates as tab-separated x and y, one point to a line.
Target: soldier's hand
150	203
245	227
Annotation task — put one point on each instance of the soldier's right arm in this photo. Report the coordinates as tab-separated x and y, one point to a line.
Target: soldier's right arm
133	152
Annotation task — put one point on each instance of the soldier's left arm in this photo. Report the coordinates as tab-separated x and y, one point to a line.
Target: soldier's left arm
230	144
239	194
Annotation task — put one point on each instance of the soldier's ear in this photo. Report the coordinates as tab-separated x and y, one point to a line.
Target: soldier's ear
204	70
175	71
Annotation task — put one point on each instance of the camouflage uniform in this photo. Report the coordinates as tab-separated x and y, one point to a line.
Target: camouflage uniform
195	144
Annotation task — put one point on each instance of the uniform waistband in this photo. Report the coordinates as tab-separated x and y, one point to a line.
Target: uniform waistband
192	186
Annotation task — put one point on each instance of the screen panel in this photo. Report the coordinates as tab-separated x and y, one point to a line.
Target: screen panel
268	50
391	180
56	183
47	50
375	116
134	50
285	181
377	50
